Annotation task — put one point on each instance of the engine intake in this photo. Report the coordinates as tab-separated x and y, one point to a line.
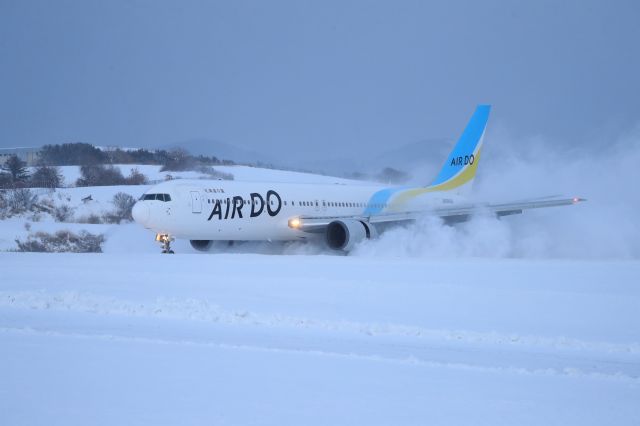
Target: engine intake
201	245
344	234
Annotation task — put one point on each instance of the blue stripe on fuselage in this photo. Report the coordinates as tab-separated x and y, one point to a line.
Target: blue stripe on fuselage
379	199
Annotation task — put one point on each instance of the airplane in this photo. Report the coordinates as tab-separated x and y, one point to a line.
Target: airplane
343	215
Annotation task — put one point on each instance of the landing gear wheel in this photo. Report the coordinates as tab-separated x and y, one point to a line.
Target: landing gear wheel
165	240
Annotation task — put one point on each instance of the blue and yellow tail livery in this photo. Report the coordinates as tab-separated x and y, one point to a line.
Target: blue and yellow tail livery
459	170
456	175
461	165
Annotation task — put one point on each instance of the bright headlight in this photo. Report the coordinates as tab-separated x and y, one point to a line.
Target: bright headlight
294	223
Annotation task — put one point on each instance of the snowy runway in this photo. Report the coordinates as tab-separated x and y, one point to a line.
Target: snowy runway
256	339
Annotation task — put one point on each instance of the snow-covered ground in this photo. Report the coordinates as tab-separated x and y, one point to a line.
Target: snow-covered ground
478	324
252	339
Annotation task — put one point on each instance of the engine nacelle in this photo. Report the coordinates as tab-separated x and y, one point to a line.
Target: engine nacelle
344	234
201	245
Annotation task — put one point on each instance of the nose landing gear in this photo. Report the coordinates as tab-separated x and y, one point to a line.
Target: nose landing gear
165	241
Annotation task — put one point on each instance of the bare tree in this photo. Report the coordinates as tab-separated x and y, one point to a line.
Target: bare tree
124	204
47	177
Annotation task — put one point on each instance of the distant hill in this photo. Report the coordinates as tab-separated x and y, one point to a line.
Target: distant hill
415	154
424	155
417	158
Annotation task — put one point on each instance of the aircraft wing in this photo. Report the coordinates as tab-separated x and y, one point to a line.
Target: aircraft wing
450	214
458	213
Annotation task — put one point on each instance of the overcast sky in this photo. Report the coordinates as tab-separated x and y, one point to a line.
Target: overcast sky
313	78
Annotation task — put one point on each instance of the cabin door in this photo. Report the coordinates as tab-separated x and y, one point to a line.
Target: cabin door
196	202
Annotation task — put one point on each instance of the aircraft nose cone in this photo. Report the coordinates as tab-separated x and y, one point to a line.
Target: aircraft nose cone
140	212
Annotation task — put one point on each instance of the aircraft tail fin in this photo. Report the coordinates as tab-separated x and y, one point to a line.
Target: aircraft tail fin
459	170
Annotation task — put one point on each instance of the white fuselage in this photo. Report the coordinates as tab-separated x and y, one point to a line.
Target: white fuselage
229	210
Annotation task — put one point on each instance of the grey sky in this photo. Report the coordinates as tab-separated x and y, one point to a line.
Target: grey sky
313	78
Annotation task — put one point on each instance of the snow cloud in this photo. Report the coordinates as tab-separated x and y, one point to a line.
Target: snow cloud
606	226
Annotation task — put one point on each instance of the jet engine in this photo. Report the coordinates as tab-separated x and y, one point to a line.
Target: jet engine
201	245
345	234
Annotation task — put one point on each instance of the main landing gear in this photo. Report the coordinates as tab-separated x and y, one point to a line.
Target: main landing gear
165	241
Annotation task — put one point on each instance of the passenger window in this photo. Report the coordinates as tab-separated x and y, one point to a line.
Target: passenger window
167	197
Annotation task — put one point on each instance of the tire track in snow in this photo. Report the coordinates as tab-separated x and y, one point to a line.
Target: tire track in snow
205	311
568	372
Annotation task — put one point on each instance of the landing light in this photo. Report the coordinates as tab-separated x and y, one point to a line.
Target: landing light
162	238
294	223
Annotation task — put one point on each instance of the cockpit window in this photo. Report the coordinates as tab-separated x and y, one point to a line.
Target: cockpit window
159	197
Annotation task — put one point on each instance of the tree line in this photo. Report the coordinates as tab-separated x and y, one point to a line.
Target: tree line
84	154
96	165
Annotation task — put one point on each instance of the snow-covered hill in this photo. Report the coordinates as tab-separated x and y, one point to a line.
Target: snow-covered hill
242	173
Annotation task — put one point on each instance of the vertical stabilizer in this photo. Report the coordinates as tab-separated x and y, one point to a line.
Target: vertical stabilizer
459	170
